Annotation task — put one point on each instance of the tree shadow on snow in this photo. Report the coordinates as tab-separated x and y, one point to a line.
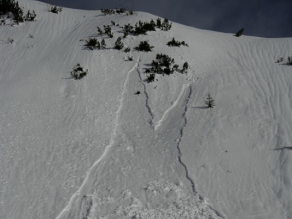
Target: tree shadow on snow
282	148
199	107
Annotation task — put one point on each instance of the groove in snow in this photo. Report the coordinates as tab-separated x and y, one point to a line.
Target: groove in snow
106	151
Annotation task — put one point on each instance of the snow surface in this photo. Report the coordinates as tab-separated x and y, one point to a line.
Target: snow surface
92	149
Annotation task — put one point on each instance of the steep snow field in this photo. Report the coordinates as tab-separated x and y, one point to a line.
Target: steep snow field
92	149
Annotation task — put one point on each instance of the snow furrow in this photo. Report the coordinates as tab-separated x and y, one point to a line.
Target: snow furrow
189	93
77	194
176	116
147	98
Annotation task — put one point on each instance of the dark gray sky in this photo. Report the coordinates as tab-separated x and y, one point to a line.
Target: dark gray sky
263	18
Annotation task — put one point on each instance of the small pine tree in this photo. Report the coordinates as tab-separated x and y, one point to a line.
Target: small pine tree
166	25
210	102
108	31
185	67
119	44
158	23
127	49
150	78
239	33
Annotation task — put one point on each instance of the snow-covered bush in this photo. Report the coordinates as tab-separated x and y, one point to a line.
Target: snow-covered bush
166	25
11	6
144	46
282	60
127	49
55	9
78	72
142	28
173	42
108	31
107	11
162	65
150	78
111	11
30	16
11	9
92	44
120	11
130	12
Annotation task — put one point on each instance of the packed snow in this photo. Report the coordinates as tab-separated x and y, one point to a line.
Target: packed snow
93	149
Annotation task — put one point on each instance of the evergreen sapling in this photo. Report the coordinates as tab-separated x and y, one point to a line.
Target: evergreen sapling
210	102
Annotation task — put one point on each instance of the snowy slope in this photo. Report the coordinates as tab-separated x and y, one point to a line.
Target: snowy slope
93	149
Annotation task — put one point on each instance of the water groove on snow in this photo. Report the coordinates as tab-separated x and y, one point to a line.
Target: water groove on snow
77	194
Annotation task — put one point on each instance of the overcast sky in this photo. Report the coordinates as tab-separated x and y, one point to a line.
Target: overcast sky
263	18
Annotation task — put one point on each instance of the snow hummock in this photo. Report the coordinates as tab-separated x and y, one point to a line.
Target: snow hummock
91	148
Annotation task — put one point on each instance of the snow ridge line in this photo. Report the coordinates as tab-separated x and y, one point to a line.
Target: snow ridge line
106	151
147	99
179	141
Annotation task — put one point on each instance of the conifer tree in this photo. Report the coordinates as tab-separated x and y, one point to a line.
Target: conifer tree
239	33
108	31
158	23
185	67
210	102
166	25
150	78
119	44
